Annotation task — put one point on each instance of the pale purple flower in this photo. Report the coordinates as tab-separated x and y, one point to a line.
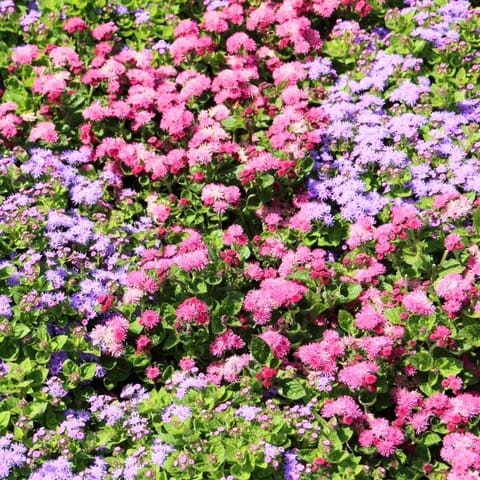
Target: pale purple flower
182	412
160	452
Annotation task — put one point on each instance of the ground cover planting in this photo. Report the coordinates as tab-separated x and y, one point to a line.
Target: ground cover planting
239	239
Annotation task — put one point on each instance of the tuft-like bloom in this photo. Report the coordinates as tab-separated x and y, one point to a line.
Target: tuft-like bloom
25	54
418	302
192	311
150	319
279	344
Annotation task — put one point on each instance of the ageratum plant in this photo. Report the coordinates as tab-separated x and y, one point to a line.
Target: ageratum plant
239	240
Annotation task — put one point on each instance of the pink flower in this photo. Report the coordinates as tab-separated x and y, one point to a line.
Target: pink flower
226	341
150	319
343	406
238	41
193	310
261	17
43	131
96	112
220	197
186	364
25	54
273	293
143	344
234	235
214	21
368	318
74	24
359	375
360	232
322	355
453	241
110	337
176	120
229	369
139	279
418	302
279	345
384	437
104	31
290	72
462	451
62	56
52	85
152	372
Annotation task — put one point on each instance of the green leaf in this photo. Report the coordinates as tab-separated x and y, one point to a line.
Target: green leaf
4	420
430	439
346	321
20	330
9	350
35	409
88	371
422	361
471	334
449	366
234	122
293	389
259	350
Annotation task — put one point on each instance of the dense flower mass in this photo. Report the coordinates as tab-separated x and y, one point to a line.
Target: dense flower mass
239	239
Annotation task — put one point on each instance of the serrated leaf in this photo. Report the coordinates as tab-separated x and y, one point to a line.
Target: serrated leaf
471	335
422	361
293	389
259	350
346	321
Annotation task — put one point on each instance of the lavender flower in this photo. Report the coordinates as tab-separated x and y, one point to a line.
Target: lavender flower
53	470
5	308
160	452
248	412
182	412
12	455
291	466
54	388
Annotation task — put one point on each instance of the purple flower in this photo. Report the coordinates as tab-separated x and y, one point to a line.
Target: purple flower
318	67
160	452
86	192
182	412
291	465
407	93
56	361
141	16
12	455
60	468
54	388
5	308
248	412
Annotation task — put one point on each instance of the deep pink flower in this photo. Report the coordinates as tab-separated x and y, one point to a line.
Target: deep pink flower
104	31
358	375
152	372
193	310
279	344
226	341
150	319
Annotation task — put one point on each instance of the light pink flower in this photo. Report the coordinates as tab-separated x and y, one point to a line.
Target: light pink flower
25	54
418	302
43	131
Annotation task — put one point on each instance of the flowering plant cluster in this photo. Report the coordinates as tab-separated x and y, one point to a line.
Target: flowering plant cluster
240	239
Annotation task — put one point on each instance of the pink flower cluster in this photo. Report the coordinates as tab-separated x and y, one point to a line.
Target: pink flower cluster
111	336
272	294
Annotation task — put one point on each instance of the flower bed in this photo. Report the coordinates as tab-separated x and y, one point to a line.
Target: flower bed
239	239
